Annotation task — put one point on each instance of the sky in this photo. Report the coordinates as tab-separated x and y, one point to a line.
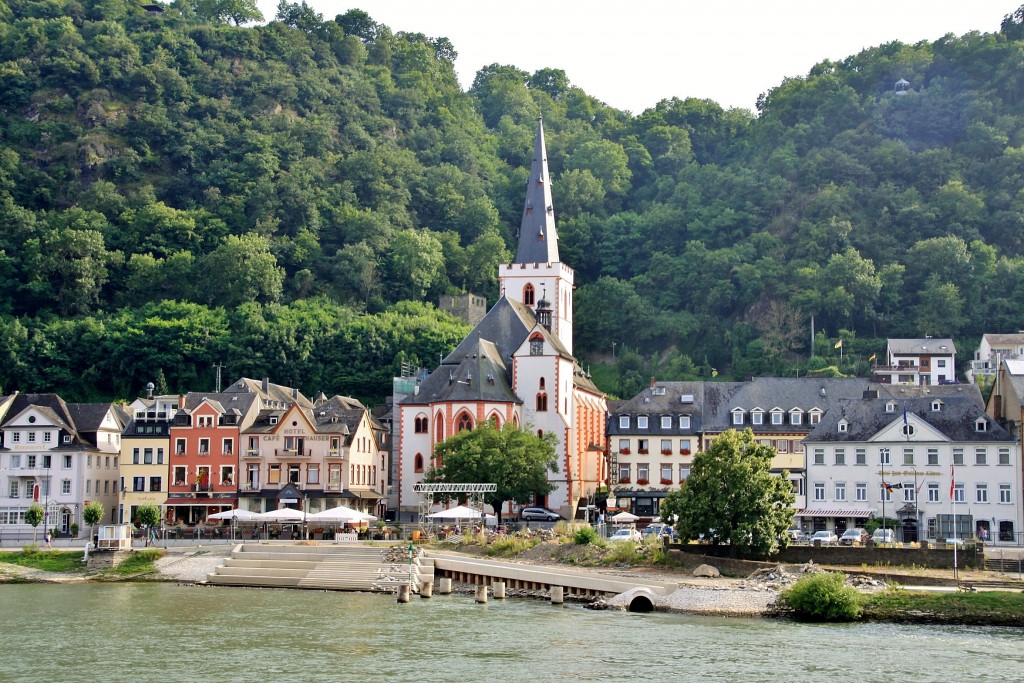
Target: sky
631	55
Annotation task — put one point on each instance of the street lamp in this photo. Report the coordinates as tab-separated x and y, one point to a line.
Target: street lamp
917	508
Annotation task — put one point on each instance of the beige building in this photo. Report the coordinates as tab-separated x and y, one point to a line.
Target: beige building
145	453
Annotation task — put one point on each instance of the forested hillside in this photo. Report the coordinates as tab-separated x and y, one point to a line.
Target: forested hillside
178	192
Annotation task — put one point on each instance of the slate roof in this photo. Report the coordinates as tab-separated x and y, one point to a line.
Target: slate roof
997	339
914	347
274	392
538	239
865	418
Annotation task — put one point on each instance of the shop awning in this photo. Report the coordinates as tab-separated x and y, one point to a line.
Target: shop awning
208	502
836	511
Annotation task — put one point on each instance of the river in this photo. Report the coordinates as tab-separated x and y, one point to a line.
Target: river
164	632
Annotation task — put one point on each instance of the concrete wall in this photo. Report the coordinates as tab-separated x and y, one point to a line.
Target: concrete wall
854	557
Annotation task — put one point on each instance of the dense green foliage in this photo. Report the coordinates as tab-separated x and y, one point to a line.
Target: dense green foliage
823	597
584	535
178	190
991	608
46	560
732	497
34	516
517	461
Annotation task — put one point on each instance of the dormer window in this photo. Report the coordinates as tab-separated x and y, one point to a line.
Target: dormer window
641	422
890	407
624	422
814	417
981	425
796	417
936	406
273	419
843	426
776	417
757	417
659	391
666	422
737	416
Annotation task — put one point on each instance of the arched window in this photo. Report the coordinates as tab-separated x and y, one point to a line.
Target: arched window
542	383
495	419
528	295
439	427
421	424
542	401
463	422
417	463
515	420
540	433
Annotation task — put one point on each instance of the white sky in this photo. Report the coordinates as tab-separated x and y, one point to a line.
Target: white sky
630	55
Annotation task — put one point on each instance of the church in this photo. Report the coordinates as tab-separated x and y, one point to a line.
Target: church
516	366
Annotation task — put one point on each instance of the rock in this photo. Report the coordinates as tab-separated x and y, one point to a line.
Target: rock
707	570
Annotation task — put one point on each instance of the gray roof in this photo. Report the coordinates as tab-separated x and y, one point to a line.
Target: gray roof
269	391
997	339
538	239
925	346
480	374
865	418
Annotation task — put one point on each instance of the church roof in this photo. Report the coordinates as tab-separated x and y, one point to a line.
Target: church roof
538	239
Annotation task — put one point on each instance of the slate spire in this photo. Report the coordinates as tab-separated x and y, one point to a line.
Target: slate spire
538	239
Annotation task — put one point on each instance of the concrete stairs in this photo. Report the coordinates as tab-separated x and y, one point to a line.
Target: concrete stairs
345	567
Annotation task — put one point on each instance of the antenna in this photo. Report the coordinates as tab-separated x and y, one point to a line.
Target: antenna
218	366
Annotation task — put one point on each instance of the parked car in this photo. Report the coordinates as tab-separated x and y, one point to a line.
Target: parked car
826	537
883	536
657	529
796	535
854	536
625	535
542	514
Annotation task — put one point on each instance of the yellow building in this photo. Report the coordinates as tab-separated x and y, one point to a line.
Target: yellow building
145	451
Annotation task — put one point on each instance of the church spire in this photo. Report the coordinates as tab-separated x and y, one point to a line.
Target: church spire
538	239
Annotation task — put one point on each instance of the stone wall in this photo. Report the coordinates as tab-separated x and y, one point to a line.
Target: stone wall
845	556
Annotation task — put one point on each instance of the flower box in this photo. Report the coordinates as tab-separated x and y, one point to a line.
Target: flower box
625	481
684	451
642	482
624	451
666	451
643	451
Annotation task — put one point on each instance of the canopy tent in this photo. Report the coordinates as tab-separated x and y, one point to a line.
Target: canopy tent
342	513
283	515
461	513
240	515
624	518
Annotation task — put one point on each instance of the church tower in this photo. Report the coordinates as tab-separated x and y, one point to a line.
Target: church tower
537	273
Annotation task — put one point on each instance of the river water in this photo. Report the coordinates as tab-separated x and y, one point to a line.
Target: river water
164	632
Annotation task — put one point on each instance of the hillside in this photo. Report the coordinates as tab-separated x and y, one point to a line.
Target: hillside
179	192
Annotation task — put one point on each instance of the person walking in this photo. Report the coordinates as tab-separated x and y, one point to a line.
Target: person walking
46	539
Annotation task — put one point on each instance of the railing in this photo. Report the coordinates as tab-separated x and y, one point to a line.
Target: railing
252	453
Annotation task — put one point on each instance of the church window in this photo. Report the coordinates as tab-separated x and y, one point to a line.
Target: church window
542	383
463	423
439	428
542	402
421	425
529	297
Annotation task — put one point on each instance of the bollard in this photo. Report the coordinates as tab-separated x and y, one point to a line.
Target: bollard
481	594
445	586
557	595
426	589
498	590
403	593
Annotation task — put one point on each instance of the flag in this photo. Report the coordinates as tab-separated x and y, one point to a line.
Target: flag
873	357
839	344
952	480
904	417
888	487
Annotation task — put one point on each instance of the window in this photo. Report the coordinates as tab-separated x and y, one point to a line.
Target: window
981	425
106	487
642	473
909	494
47	462
206	420
981	493
529	296
29	485
666	474
31	437
147	456
840	490
1004	456
15	462
757	417
861	492
890	407
958	456
884	494
776	418
941	362
796	417
313	473
814	417
819	490
684	421
624	446
624	471
228	446
782	445
227	475
909	430
336	442
908	456
883	456
138	484
47	437
66	462
88	486
959	495
465	422
684	446
14	489
933	493
542	403
936	406
294	472
980	456
16	437
819	456
275	474
204	446
1004	493
624	422
179	446
420	427
156	483
641	422
159	456
737	417
418	463
135	456
860	456
843	426
684	472
933	456
31	462
840	456
643	446
666	446
666	422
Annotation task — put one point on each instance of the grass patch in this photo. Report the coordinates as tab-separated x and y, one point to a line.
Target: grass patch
139	563
46	560
997	608
510	546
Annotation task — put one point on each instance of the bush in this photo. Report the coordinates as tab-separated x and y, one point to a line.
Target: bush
622	552
29	549
584	535
510	546
823	597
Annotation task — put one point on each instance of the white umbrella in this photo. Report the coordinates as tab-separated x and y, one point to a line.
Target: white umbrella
343	513
242	515
624	518
283	515
462	513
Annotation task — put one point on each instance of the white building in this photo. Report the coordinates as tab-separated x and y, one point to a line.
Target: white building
899	458
994	349
516	365
919	362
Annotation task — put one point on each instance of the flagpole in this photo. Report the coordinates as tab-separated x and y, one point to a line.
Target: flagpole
952	497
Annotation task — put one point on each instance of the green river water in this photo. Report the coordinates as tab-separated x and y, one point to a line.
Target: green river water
164	632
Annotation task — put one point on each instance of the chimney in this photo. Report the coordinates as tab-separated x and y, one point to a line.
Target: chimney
652	381
295	393
181	400
266	385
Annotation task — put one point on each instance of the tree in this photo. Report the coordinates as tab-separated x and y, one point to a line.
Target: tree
149	516
243	269
515	459
732	497
91	515
34	516
238	11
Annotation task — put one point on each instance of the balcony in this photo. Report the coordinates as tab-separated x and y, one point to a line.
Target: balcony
335	453
252	453
292	453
